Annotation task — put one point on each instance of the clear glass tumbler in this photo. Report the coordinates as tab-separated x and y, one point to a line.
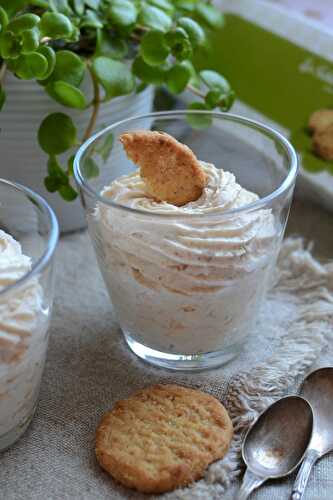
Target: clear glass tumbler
186	285
28	239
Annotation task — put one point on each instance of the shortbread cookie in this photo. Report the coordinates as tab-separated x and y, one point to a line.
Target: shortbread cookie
323	143
321	120
170	169
162	437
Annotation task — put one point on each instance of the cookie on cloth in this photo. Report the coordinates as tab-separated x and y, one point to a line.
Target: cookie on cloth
171	171
162	437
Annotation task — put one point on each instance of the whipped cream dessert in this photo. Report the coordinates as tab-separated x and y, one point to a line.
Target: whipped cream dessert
23	339
189	281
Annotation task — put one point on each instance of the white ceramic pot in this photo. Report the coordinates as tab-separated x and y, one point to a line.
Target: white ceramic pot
21	158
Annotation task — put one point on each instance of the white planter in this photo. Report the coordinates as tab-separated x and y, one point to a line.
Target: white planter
21	158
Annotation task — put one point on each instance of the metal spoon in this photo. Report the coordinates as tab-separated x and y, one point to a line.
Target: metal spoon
276	443
318	390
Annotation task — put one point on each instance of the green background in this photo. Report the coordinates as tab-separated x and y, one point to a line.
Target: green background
263	68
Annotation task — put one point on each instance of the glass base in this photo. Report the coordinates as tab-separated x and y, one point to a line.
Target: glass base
8	439
183	362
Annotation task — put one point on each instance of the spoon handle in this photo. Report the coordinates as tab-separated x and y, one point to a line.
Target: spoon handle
303	475
250	483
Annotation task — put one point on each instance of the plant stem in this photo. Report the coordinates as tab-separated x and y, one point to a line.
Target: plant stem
2	71
95	103
195	91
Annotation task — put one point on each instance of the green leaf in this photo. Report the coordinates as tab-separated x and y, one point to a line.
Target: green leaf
154	18
179	43
61	6
56	176
210	15
50	56
43	4
10	46
186	5
122	13
3	19
13	6
23	22
153	48
226	103
52	184
163	5
154	75
69	68
78	6
177	78
215	81
66	94
198	121
2	97
110	46
57	133
68	193
217	98
195	33
31	66
115	77
91	20
194	80
93	4
55	170
213	97
90	168
55	25
30	40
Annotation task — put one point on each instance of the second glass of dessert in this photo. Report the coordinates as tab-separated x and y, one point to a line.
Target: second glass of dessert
186	211
28	239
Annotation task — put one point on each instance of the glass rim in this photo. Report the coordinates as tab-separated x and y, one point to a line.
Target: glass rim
261	203
52	241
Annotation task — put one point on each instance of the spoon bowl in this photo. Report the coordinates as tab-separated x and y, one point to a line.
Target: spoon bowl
276	443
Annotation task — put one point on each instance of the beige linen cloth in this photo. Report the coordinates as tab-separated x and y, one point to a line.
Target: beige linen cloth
89	368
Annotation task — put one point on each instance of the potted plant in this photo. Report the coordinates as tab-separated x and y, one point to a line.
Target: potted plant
100	59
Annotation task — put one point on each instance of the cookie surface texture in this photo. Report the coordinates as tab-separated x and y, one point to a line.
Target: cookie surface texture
323	143
320	120
162	437
170	169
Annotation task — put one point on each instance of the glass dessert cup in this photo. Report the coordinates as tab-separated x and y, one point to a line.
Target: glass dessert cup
186	285
26	296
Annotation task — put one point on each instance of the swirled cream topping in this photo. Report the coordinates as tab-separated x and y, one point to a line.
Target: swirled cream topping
18	309
13	263
198	239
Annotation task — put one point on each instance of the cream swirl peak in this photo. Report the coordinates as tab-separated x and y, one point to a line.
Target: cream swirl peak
13	263
208	250
19	309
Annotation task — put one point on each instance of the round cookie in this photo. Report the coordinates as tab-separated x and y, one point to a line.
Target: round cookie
323	143
320	120
162	437
170	169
